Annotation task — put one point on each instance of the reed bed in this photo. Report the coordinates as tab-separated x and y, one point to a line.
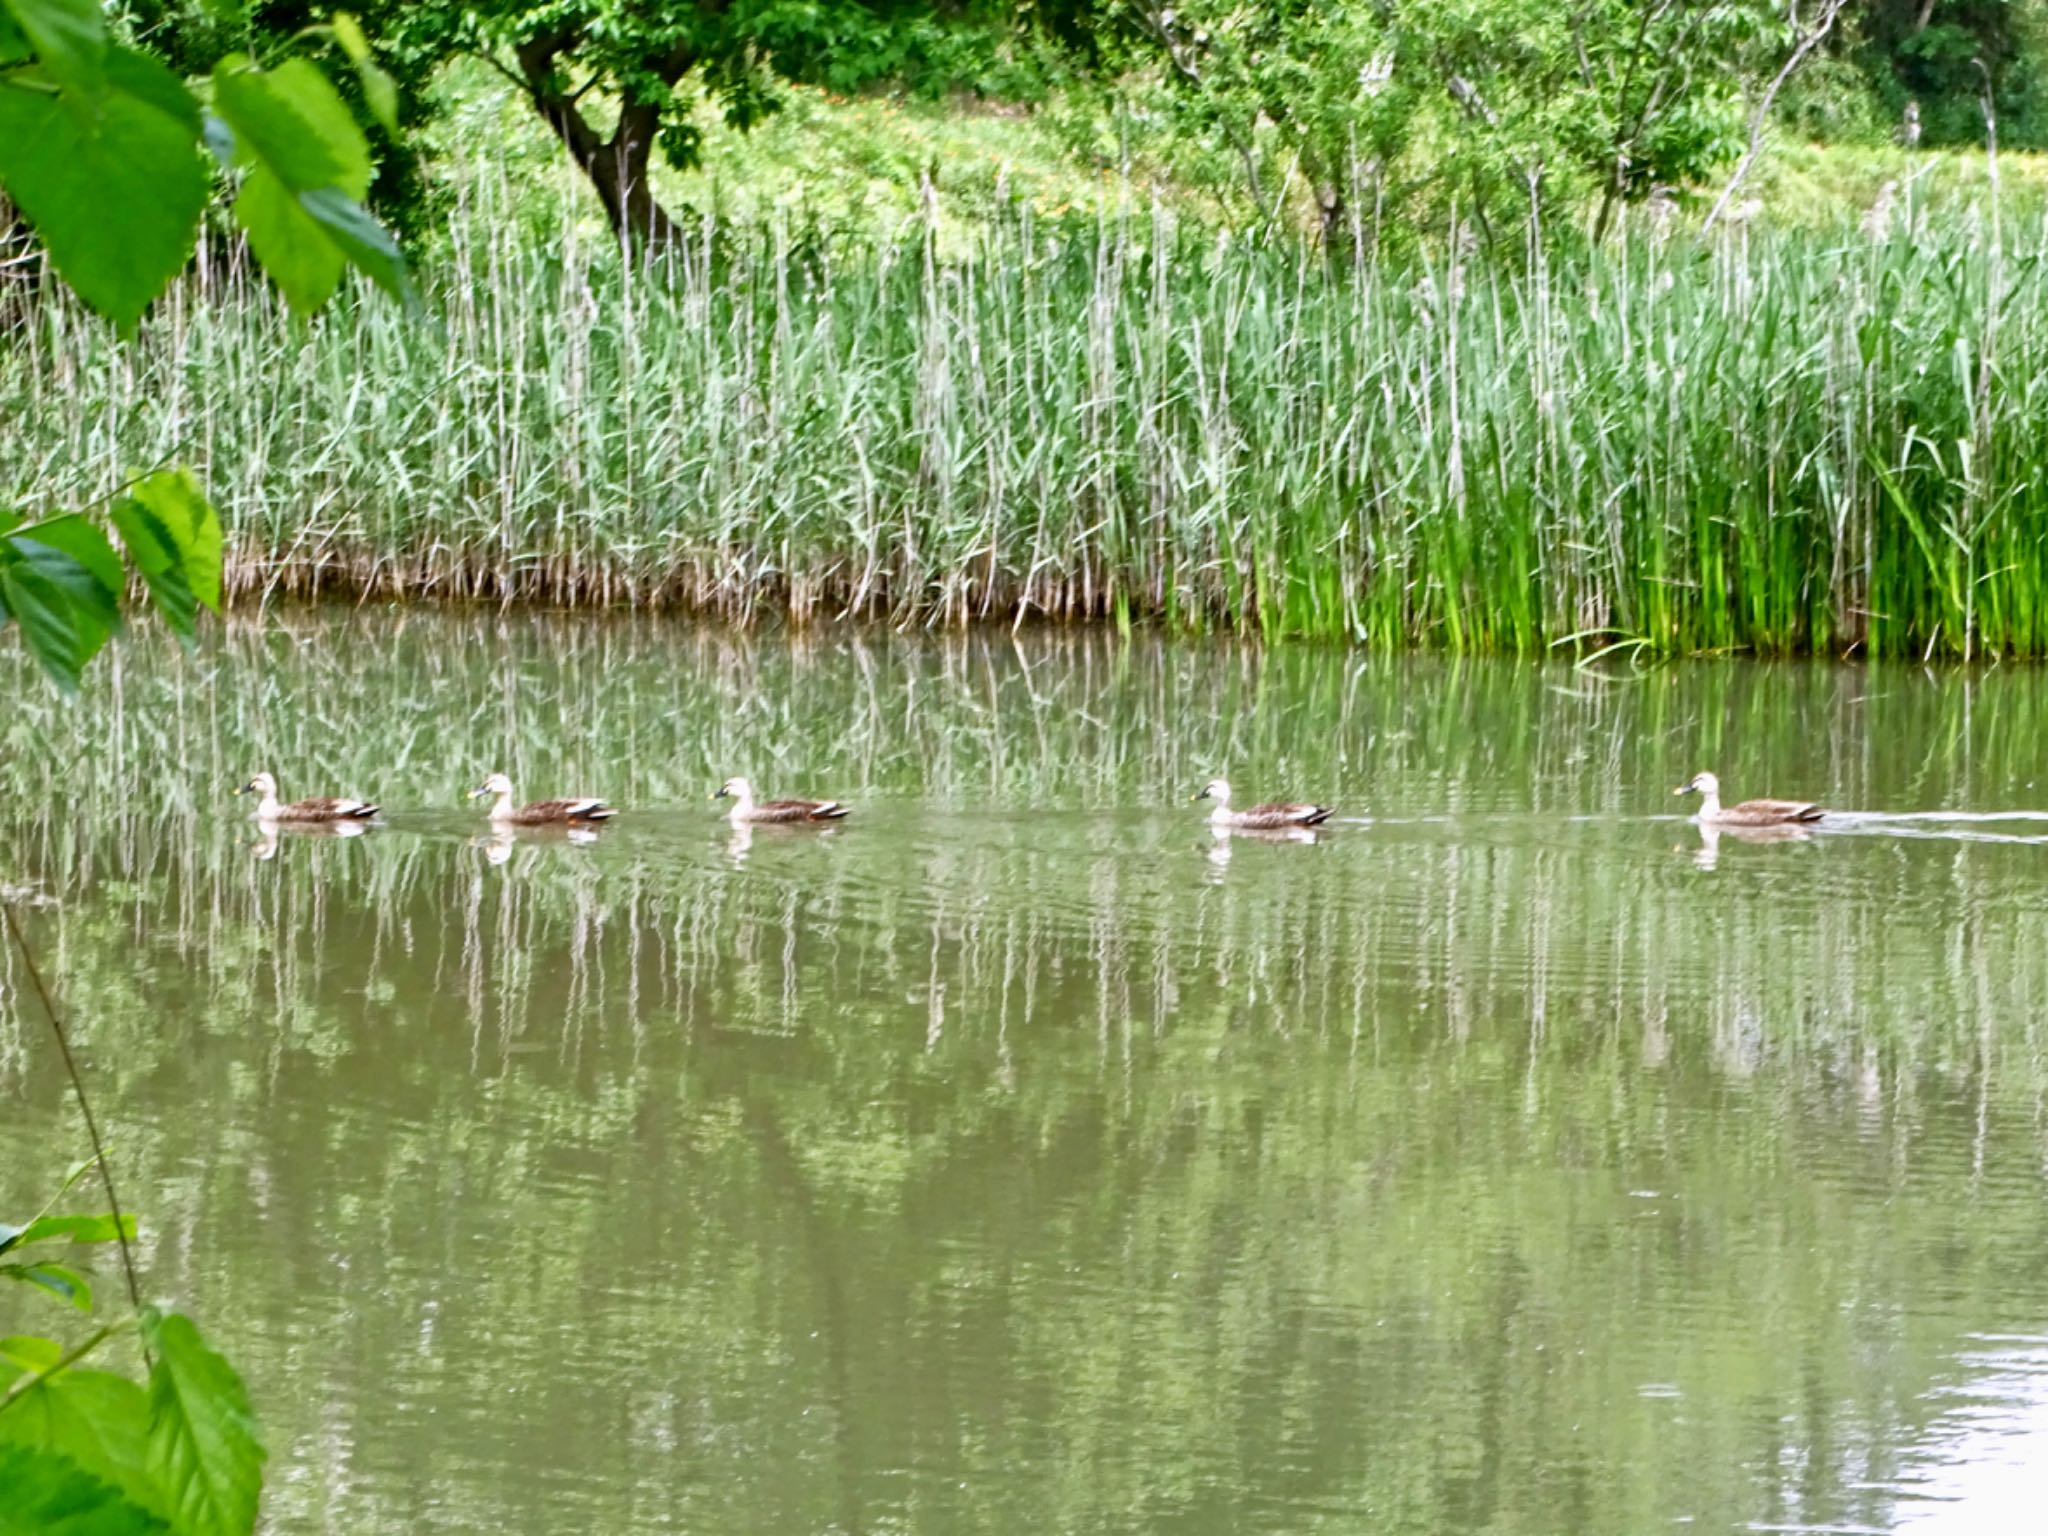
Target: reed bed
1777	442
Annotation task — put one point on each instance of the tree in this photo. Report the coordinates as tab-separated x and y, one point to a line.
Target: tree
617	81
1481	105
1940	56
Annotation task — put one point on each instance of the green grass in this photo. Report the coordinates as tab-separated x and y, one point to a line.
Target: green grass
1777	442
844	163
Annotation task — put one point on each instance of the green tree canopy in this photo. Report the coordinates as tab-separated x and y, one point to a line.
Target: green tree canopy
1483	105
618	81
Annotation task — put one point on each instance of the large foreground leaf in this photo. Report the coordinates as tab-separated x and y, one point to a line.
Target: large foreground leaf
77	559
133	147
173	535
95	1418
42	1494
69	36
203	1450
60	634
308	168
294	250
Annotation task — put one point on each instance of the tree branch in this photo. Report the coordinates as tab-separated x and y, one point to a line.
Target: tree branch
1807	44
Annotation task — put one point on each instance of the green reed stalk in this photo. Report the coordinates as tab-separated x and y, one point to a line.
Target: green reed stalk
1771	442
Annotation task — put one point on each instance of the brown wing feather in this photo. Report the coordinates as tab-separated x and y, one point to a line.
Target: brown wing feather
798	810
327	808
1764	812
539	811
1278	814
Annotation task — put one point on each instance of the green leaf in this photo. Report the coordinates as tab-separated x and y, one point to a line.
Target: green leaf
308	170
77	559
42	1494
78	1229
379	89
61	1281
69	37
349	33
47	617
134	152
14	43
149	80
96	1418
154	549
380	92
363	240
293	248
93	612
26	1352
203	1447
173	497
84	543
290	120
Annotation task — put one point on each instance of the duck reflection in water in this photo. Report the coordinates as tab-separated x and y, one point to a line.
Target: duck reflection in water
498	843
745	834
1708	854
270	833
1223	838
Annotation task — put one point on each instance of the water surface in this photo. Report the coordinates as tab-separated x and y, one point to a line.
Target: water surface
1020	1157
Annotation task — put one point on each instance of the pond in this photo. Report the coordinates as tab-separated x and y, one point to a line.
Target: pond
1020	1156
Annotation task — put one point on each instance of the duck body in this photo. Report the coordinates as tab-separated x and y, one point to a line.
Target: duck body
1274	816
539	813
748	811
1747	813
318	811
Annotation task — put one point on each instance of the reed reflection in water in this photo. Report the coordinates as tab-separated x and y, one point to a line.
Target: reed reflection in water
1020	1155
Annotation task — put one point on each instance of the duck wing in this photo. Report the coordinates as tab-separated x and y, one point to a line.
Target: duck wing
327	808
1276	814
798	810
1760	813
565	810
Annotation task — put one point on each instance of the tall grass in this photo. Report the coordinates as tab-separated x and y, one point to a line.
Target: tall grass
1775	442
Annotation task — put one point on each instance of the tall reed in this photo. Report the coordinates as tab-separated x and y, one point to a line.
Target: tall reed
1774	442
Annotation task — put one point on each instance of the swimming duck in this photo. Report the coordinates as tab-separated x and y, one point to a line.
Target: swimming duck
537	813
1750	813
324	809
1271	817
746	809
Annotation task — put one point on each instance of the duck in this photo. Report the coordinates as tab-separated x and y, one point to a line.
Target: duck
320	810
1750	813
537	813
1274	816
745	808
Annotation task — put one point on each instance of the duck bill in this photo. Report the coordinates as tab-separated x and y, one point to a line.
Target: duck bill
477	794
1685	789
1200	794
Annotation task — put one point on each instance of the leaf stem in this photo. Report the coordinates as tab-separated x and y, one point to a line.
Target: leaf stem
92	1129
76	1353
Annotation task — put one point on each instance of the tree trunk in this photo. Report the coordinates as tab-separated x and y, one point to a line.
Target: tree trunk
618	170
616	167
1336	229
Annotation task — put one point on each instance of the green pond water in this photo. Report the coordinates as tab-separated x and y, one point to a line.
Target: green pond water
1018	1156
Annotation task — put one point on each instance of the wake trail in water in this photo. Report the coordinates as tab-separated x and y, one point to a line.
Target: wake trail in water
1958	816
